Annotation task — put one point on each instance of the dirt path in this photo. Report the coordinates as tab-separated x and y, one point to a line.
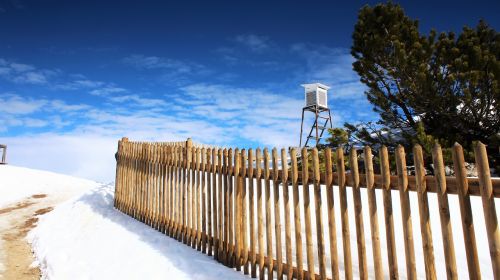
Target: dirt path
15	223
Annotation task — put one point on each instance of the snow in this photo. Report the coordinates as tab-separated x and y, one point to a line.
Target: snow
86	238
18	183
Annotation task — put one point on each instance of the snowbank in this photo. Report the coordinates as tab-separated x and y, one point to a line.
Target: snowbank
86	238
17	183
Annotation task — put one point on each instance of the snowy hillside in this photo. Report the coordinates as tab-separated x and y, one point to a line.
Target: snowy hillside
86	238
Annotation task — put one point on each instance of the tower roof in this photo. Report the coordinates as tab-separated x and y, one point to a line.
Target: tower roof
315	85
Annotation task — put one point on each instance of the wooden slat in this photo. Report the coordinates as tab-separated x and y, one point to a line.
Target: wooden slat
318	214
215	203
194	176
423	208
358	215
237	209
344	214
489	210
230	208
244	215
189	192
296	213
466	213
269	237
444	213
286	198
277	216
307	214
388	214
226	210
203	201
220	206
198	198
260	221
251	208
210	187
372	208
404	198
332	228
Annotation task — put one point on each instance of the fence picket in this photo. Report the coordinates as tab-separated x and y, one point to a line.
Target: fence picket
444	213
296	214
404	198
332	228
269	237
286	198
388	214
358	215
423	207
344	215
372	206
277	218
307	214
251	208
260	221
318	214
489	210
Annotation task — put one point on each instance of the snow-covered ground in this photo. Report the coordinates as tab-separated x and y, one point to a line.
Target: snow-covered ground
86	238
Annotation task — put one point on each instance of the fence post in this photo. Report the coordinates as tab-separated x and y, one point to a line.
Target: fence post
490	216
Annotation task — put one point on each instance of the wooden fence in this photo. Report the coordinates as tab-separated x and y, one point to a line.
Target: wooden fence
219	201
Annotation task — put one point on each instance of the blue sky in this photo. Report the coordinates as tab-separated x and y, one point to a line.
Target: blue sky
75	76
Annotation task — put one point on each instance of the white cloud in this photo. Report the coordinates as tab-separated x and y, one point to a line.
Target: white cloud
18	105
19	67
105	91
253	42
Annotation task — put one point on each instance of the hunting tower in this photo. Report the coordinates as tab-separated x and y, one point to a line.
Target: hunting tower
316	99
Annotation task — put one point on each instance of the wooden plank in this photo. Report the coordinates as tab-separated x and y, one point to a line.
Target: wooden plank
203	201
251	208
332	228
444	213
189	192
244	215
226	209
307	214
423	208
237	209
197	243
220	205
404	198
230	240
358	215
372	208
286	198
296	214
260	221
194	177
215	202
269	237
277	215
466	213
388	214
209	171
344	214
489	210
319	219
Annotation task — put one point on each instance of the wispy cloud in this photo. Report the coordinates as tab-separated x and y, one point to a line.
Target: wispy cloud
254	42
107	90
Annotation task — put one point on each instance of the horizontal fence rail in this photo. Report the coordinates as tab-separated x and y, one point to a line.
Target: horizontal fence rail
275	214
